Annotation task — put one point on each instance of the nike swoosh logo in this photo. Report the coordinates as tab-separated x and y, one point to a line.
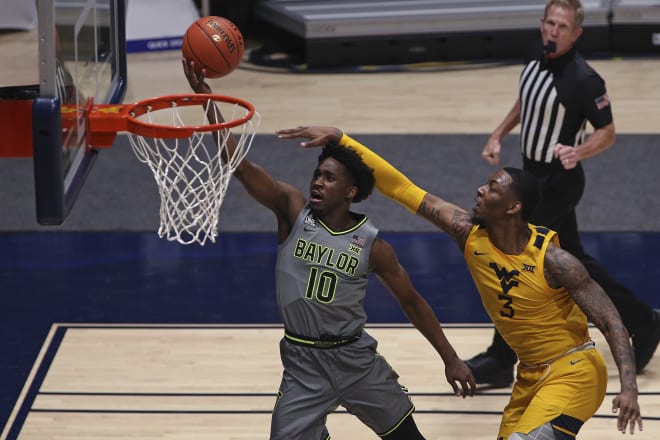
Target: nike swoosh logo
480	253
575	362
308	229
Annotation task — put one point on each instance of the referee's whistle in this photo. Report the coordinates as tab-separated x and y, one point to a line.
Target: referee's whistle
550	47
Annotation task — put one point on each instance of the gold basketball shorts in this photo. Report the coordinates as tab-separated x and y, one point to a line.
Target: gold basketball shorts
565	393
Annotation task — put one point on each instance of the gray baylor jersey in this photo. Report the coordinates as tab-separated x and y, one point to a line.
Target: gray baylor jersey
321	277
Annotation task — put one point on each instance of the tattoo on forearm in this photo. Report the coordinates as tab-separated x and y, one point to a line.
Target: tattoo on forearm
600	310
459	225
564	270
430	212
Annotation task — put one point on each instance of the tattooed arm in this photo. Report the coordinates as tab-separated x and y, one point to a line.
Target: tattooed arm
452	219
391	182
564	270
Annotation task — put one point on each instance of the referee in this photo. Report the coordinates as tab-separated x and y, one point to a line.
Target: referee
558	93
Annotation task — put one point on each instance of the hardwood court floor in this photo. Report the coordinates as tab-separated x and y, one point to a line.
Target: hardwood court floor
108	382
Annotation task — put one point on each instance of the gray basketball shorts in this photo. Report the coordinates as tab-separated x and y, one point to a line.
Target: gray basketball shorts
317	381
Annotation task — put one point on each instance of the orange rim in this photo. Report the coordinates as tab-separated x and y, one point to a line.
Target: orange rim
109	119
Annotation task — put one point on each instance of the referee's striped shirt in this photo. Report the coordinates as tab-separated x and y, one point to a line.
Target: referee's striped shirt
542	114
557	99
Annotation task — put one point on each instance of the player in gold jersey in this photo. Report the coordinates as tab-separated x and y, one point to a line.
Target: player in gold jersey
538	296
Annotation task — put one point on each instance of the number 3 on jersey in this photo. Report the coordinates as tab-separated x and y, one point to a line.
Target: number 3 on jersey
507	281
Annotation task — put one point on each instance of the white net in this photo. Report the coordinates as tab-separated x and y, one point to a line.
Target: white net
193	173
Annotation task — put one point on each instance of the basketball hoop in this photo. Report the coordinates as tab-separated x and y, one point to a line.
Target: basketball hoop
192	170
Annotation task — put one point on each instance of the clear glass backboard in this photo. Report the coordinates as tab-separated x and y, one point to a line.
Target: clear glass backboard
82	61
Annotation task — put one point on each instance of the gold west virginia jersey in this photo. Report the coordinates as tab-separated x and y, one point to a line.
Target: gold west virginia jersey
537	321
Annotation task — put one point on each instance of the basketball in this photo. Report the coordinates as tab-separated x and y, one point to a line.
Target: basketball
215	44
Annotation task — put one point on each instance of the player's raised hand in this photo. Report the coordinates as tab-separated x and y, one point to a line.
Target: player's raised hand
195	80
318	135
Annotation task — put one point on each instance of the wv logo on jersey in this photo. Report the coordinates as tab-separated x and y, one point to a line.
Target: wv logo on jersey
507	282
505	277
356	244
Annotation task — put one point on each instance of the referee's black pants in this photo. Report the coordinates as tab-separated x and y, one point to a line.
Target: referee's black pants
561	190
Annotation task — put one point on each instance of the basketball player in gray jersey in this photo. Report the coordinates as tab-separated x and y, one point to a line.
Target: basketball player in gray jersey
326	253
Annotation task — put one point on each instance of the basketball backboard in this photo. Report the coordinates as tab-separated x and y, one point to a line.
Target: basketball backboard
82	60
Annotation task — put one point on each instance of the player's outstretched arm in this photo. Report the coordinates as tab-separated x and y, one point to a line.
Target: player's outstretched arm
390	181
564	270
283	199
387	268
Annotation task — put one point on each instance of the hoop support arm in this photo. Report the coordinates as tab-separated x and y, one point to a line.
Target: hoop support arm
104	122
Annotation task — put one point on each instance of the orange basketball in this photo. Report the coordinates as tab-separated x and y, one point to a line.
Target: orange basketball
214	44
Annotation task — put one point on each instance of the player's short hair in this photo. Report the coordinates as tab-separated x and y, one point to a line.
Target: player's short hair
363	176
525	187
574	5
